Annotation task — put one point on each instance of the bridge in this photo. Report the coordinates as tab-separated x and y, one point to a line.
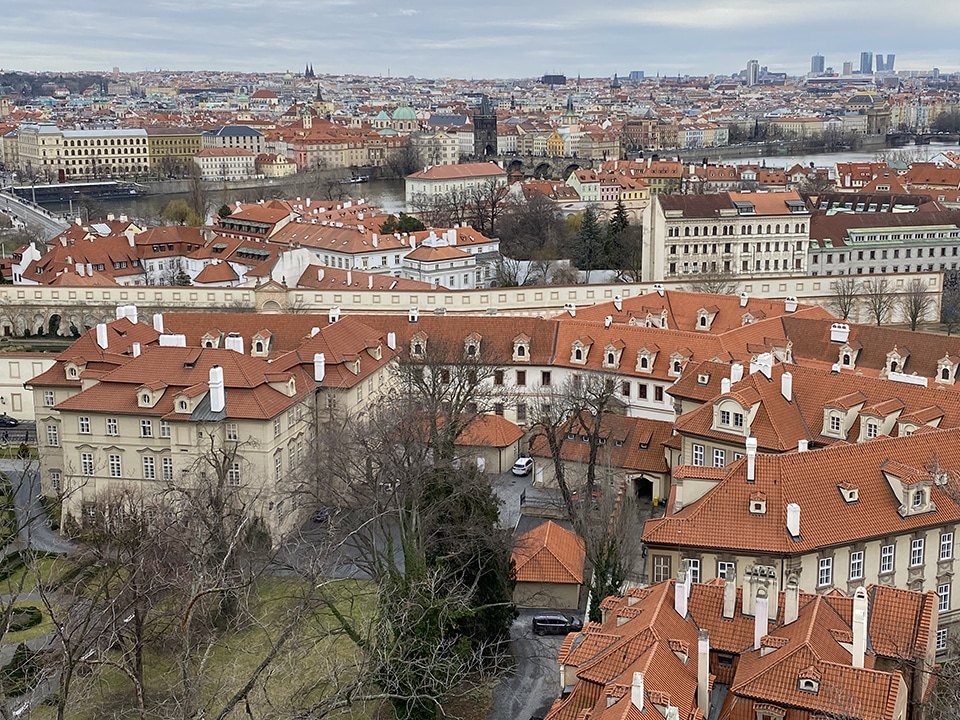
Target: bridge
541	167
50	225
899	139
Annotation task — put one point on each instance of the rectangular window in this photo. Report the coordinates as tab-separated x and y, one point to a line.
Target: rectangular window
658	393
521	377
916	552
113	427
697	455
146	428
719	457
233	475
661	568
642	391
946	546
48	398
941	639
943	592
825	572
55	480
278	467
86	464
276	427
726	569
835	423
625	388
149	468
116	469
521	412
856	565
498	409
724	417
84	425
886	559
738	420
53	435
693	569
498	377
166	467
545	377
164	428
231	431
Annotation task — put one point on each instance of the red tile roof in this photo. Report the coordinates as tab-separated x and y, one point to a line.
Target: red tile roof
549	554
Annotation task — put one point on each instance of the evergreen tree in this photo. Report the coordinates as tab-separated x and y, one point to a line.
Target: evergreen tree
588	245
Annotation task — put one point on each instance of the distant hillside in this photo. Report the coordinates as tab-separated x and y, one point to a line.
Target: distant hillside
29	85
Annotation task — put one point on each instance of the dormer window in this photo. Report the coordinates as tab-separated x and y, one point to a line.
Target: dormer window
521	351
72	372
873	429
644	363
471	346
417	348
947	369
145	399
182	405
806	684
418	345
848	491
521	348
919	497
258	347
579	350
758	503
578	354
845	360
896	361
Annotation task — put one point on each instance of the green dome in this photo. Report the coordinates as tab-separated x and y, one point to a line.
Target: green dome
404	113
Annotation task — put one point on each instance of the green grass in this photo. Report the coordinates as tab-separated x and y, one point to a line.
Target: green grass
45	626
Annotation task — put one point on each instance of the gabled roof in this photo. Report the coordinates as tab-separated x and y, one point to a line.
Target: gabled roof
549	554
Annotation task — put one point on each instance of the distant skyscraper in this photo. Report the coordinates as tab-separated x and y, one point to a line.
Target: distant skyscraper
816	64
891	57
866	63
880	65
753	72
847	69
636	74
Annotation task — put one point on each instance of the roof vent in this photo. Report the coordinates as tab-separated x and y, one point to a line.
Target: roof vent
839	332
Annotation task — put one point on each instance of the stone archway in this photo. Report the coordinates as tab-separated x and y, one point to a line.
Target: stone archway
542	171
271	306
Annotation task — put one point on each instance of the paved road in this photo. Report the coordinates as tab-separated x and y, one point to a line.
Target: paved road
35	532
34	215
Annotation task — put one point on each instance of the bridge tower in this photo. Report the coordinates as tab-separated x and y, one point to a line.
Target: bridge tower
485	130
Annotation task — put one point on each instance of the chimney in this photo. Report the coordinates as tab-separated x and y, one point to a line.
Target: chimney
607	321
658	288
729	596
370	282
234	341
636	691
802	445
130	241
79	269
703	673
319	367
314	331
791	605
111	217
618	302
392	340
839	332
680	593
349	278
859	627
786	386
158	322
570	308
90	269
736	373
374	239
319	274
217	396
136	350
414	314
173	341
743	299
334	315
724	385
131	314
102	335
121	311
760	617
751	459
790	304
671	713
793	520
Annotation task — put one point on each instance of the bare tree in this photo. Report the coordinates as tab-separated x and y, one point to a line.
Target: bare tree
915	303
715	282
843	300
878	298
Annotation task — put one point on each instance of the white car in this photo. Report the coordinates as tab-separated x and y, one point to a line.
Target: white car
522	466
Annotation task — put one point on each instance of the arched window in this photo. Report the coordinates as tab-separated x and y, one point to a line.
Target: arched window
644	363
918	498
259	346
610	358
893	366
578	354
945	374
846	358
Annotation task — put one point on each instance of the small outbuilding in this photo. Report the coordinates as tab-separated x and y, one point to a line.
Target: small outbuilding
549	562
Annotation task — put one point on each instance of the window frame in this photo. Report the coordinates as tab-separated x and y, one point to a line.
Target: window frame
916	552
114	465
856	564
946	546
825	572
887	557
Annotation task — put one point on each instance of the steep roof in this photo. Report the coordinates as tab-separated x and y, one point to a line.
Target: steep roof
549	554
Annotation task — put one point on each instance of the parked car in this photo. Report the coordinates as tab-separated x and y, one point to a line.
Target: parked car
556	623
7	421
321	515
522	466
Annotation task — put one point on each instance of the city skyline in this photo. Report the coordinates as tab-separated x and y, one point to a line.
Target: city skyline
500	40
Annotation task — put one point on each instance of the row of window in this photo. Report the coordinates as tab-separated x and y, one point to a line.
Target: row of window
148	468
884	254
728	248
730	230
697	456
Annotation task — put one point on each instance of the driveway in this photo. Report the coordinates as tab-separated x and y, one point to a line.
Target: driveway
533	684
35	532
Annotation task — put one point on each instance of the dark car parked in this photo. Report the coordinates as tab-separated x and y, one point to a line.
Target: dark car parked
7	421
555	623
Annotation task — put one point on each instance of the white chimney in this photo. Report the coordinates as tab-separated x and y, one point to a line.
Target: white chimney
136	349
102	335
636	691
374	239
414	314
760	617
703	673
453	236
130	241
724	385
607	321
335	313
658	288
791	605
173	341
859	627
618	302
743	299
370	282
319	367
314	331
790	304
729	595
793	520
736	373
121	311
570	308
680	594
131	314
234	341
218	398
158	322
79	267
392	340
751	459
90	269
839	332
671	713
802	445
349	278
786	386
320	275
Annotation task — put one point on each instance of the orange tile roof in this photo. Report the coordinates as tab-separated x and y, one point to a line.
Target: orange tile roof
549	554
490	431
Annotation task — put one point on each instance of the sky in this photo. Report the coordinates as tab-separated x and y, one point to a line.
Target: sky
473	40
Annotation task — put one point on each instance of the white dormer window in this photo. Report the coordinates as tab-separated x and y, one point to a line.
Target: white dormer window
848	491
579	351
521	348
873	429
946	370
182	405
644	363
846	360
578	354
521	351
258	347
834	423
145	399
758	503
72	372
808	685
919	498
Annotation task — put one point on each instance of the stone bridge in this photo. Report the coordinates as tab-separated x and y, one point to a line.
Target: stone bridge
541	167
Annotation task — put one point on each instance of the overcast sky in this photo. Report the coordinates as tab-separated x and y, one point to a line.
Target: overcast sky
489	38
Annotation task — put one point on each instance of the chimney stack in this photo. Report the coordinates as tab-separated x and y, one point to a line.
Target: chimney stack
760	617
334	315
743	299
136	350
790	304
839	332
703	673
314	331
392	340
102	335
658	288
791	605
729	596
218	398
234	341
370	282
320	275
618	302
859	626
786	386
636	691
349	278
607	321
680	593
158	322
319	367
736	373
802	445
751	459
724	385
414	314
793	520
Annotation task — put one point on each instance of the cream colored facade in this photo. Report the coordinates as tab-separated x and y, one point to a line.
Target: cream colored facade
16	368
46	152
